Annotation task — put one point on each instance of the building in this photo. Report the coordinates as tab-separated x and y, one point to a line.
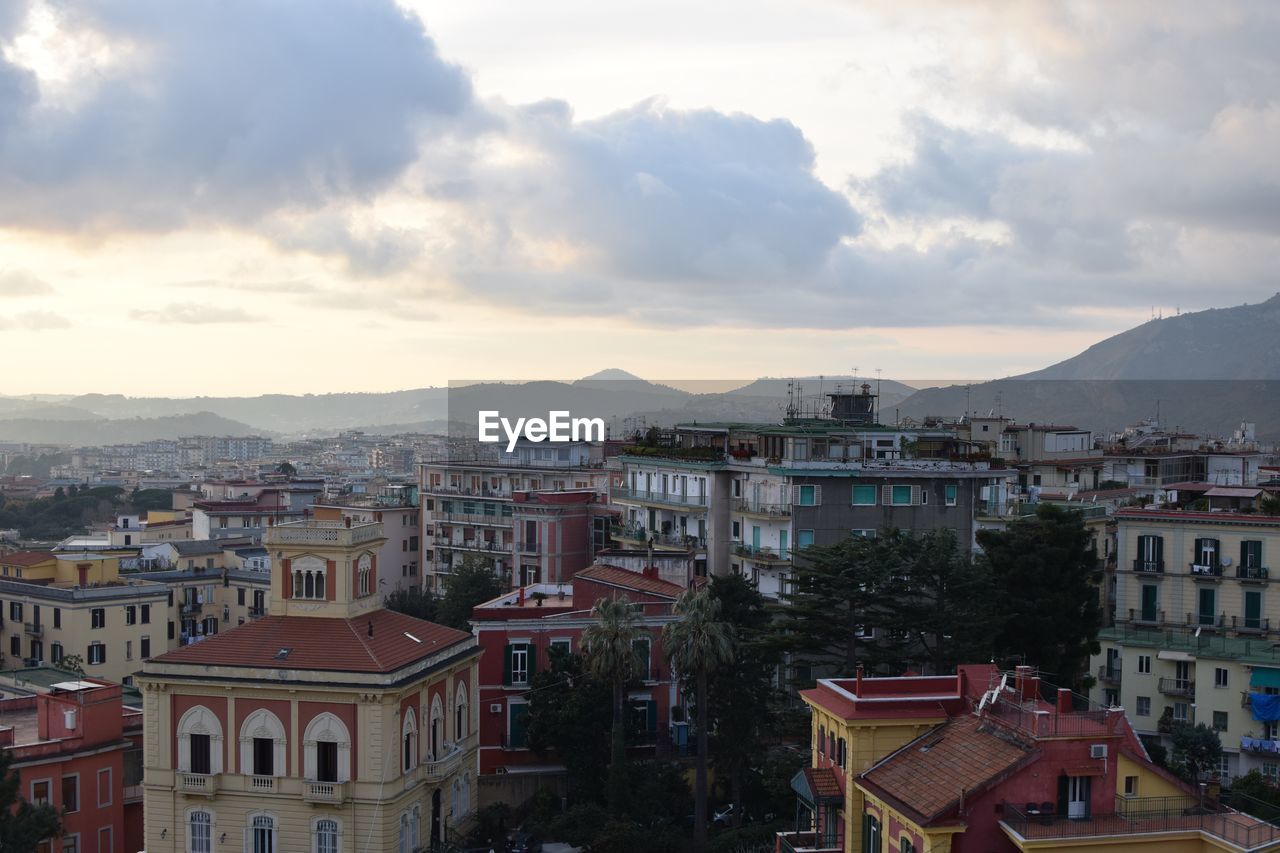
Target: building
468	510
261	507
77	746
978	761
1195	627
329	724
396	509
518	632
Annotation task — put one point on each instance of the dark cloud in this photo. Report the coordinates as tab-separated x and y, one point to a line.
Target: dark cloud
227	110
194	314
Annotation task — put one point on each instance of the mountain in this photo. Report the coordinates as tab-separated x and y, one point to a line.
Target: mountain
1221	343
611	373
814	388
123	431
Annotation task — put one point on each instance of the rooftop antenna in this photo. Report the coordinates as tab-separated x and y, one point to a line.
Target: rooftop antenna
875	414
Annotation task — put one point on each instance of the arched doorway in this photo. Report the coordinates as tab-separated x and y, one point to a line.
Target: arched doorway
435	816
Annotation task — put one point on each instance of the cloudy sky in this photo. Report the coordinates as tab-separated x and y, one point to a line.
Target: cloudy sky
241	196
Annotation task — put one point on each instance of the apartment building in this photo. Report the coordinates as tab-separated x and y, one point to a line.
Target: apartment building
1196	622
329	724
82	604
978	761
396	509
518	632
77	747
469	509
248	516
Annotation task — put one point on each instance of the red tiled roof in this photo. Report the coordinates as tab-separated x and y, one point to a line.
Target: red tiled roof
614	576
823	782
25	558
324	643
970	753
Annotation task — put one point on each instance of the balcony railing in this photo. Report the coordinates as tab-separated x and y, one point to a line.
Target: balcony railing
1177	687
323	792
435	771
330	533
1206	620
1146	617
265	784
35	629
768	510
1109	674
476	518
257	612
1039	723
188	608
1146	816
622	493
1267	746
1149	566
1212	570
763	554
198	783
1254	573
1260	624
807	842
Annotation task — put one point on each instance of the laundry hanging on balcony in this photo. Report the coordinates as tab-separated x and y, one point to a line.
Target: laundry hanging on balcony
1265	706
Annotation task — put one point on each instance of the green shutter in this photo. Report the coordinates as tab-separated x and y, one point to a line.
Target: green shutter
506	666
533	660
519	734
651	720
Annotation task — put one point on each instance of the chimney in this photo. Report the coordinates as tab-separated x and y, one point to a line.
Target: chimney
1026	684
1065	704
858	673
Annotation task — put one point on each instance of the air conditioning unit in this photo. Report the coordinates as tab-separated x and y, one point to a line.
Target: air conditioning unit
1098	750
495	708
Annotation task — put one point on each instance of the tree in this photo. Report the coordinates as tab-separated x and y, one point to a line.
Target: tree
610	654
740	708
414	601
695	646
148	499
1046	578
472	583
1270	505
59	494
72	663
1196	751
22	825
570	713
286	468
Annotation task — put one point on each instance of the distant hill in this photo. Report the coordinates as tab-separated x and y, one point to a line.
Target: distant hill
123	431
1221	343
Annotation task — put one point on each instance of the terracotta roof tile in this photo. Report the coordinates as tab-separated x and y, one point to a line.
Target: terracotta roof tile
323	643
968	751
25	558
615	576
823	782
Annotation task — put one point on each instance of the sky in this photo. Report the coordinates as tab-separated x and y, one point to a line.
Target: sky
222	197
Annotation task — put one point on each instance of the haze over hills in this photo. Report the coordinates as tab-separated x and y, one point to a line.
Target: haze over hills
1204	371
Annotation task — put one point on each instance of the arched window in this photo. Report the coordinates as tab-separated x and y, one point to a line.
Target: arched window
409	740
405	845
309	577
455	805
435	744
326	834
461	715
364	575
199	831
466	797
262	744
415	827
260	834
326	746
199	742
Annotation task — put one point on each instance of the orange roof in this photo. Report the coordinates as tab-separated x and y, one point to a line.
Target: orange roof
26	558
615	576
969	752
324	643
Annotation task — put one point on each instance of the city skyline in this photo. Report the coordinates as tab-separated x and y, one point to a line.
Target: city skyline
936	191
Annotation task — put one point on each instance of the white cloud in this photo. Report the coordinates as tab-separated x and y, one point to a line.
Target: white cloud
194	313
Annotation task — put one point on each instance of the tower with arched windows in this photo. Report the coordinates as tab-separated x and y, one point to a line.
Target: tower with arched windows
328	716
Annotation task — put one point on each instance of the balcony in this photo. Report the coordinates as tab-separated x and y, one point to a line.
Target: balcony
1207	571
807	842
322	533
643	496
1149	566
1146	617
324	792
1252	573
35	629
1261	745
200	784
436	771
1250	625
1206	621
484	546
1132	816
763	554
257	612
467	492
1109	674
473	518
261	784
1177	687
761	509
190	608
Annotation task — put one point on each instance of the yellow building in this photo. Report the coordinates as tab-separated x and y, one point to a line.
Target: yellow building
978	762
328	724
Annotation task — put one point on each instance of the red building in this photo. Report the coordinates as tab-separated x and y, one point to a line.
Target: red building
76	746
518	631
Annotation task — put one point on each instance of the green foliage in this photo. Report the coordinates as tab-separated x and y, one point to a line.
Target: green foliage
149	499
39	467
57	518
72	663
1046	577
22	825
759	838
471	583
579	825
570	713
610	656
1253	794
414	601
1158	751
286	468
1269	505
1196	751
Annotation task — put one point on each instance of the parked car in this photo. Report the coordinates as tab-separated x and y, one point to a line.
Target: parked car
523	842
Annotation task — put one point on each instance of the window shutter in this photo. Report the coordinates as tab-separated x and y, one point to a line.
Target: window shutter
533	660
103	653
886	495
916	499
1159	547
1063	781
506	666
651	716
795	495
817	495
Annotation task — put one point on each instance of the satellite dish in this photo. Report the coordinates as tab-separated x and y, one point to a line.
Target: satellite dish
1226	561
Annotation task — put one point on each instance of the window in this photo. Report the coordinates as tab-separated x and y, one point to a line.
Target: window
1220	721
262	744
1144	706
864	495
808	496
200	832
71	844
518	725
130	614
97	653
565	644
15	611
1180	710
262	834
1219	677
804	538
326	749
326	836
98	618
1131	786
145	647
15	646
1251	554
240	596
364	574
906	846
737	531
309	575
900	495
146	614
71	793
40	792
1206	553
263	751
822	740
1144	664
409	741
519	663
950	494
55	653
57	617
644	669
461	714
863	532
104	787
128	649
171	630
840	752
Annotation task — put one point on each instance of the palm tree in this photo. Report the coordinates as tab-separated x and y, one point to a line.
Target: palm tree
694	646
608	648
